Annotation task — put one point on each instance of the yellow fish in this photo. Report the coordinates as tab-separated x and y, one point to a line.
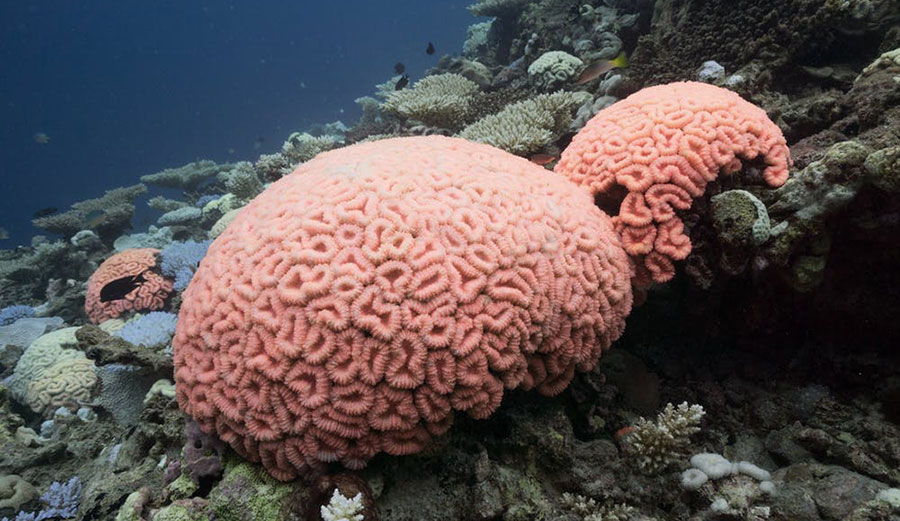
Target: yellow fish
601	67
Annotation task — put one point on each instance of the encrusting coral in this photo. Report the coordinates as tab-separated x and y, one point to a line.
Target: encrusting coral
352	306
662	146
150	289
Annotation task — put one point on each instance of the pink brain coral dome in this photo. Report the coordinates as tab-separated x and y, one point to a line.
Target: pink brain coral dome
662	145
150	289
359	301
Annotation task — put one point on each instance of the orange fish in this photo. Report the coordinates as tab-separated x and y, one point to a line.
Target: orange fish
601	67
542	159
624	431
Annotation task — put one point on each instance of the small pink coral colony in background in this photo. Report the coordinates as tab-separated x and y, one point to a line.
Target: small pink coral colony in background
149	292
356	303
663	145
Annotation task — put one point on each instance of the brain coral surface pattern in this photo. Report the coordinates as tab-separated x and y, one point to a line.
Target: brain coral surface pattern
356	303
146	296
663	145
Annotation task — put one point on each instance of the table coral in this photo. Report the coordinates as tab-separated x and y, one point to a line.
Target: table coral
146	296
661	147
357	302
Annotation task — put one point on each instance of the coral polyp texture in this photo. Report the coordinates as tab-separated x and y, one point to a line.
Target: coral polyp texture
661	147
356	303
139	288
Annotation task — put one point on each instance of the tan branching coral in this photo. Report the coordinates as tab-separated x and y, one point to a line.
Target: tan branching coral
526	126
655	445
441	100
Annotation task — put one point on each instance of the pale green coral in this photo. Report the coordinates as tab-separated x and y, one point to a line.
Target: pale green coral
529	125
441	100
63	384
45	351
553	69
222	223
656	445
248	493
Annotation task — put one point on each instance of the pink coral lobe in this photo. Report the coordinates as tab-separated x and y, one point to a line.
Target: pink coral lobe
681	136
148	295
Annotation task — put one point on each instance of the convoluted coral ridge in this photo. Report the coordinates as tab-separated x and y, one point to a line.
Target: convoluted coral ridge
150	289
357	302
663	145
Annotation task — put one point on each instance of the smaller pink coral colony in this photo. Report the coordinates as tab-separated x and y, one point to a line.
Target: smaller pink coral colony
356	303
148	294
663	145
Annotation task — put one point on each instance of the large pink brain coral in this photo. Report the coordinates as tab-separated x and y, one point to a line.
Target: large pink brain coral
149	292
662	145
357	302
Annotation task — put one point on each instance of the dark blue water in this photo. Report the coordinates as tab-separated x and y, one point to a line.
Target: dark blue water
126	88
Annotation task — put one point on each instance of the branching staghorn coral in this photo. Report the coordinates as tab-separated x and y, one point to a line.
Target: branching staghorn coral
529	125
498	8
441	100
186	177
107	215
655	445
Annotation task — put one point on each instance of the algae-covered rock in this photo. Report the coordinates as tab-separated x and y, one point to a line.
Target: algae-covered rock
248	493
883	168
15	492
740	218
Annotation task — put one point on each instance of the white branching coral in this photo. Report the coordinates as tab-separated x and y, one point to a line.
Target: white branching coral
342	508
587	509
553	68
441	100
527	126
655	445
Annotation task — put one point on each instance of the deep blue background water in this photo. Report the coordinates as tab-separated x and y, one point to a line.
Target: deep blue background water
126	88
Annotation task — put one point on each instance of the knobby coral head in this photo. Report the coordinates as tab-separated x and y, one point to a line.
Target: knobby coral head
356	303
661	147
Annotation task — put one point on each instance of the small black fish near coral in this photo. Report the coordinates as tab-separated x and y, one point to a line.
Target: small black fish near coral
402	82
399	68
119	288
44	212
430	50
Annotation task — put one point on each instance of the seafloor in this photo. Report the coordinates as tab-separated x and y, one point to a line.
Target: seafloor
782	323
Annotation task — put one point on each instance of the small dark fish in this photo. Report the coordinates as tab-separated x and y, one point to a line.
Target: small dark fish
402	82
399	68
44	212
601	67
120	288
94	218
430	49
3	234
542	159
258	143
